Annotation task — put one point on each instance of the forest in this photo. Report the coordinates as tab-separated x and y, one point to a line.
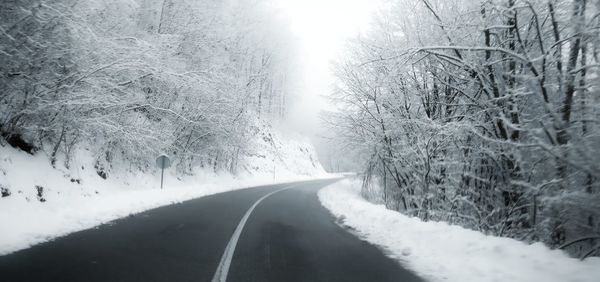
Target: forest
483	114
479	113
129	79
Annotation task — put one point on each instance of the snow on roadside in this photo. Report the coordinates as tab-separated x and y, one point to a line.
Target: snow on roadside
442	252
78	198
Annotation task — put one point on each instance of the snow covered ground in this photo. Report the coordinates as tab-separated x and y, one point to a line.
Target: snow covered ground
45	203
277	150
441	252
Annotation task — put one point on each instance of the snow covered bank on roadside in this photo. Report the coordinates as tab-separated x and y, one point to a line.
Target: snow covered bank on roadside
40	203
441	252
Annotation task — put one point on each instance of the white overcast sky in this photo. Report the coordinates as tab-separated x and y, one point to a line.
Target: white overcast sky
322	27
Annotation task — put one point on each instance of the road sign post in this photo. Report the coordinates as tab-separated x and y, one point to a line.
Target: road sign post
162	162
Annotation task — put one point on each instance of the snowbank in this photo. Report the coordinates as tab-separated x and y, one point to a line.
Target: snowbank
46	203
441	252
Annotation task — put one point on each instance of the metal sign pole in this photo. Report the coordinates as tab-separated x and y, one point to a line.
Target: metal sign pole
163	162
162	172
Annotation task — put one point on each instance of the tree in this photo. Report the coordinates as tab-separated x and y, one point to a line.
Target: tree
483	121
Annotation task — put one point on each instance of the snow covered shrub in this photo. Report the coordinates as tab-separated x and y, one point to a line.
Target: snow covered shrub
40	193
4	191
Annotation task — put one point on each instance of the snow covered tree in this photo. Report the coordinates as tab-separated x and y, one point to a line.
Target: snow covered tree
481	113
130	79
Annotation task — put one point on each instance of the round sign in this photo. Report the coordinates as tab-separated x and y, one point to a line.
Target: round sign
163	161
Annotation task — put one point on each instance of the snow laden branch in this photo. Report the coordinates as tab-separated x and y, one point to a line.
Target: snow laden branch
128	80
480	113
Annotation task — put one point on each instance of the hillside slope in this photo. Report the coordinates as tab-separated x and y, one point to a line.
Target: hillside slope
40	202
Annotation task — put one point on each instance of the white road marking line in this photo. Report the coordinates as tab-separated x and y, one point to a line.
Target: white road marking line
223	268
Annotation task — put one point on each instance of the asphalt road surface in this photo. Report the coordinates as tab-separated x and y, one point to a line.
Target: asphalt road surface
269	233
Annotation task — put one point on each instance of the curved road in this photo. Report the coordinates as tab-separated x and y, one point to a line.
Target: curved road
287	236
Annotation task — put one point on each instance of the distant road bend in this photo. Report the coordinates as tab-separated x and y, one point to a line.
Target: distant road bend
268	233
